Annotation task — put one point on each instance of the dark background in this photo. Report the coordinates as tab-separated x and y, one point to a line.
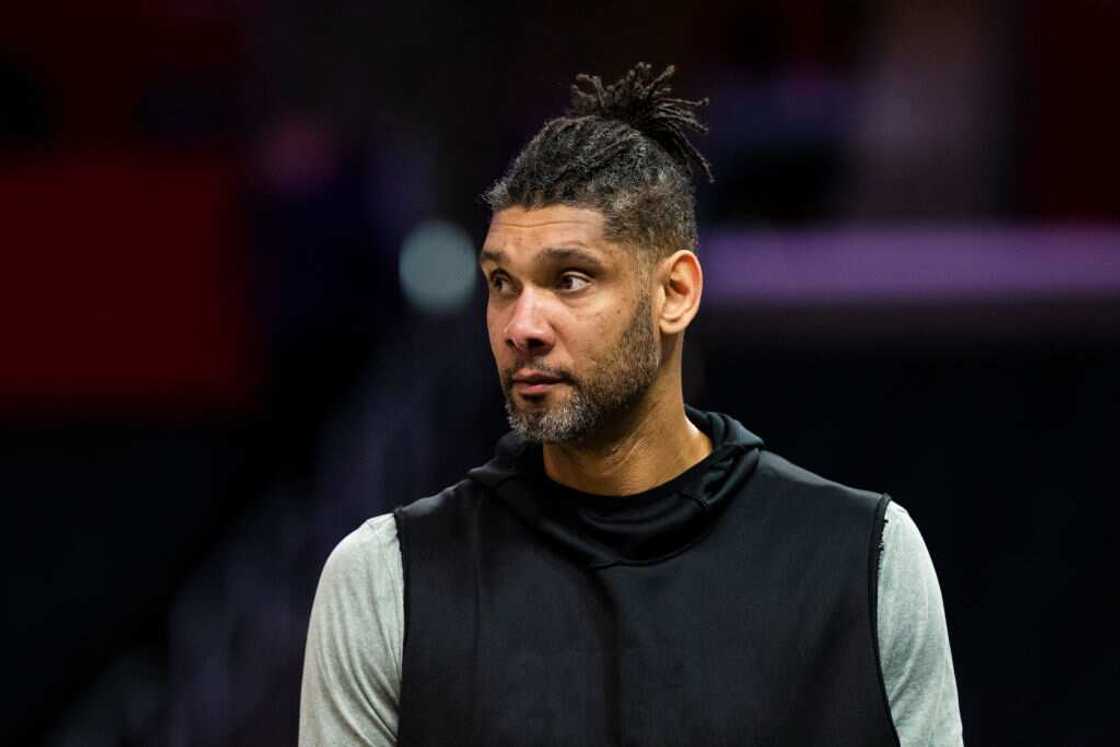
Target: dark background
210	371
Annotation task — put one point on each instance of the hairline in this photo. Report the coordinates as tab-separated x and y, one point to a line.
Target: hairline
647	255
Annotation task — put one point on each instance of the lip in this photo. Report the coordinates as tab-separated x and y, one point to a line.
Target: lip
531	383
530	388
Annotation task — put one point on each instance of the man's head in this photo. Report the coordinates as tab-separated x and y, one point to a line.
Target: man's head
590	258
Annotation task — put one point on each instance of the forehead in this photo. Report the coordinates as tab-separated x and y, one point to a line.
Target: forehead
518	229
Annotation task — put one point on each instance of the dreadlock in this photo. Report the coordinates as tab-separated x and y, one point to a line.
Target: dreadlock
623	149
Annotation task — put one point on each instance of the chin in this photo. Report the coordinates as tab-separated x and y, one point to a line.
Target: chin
535	406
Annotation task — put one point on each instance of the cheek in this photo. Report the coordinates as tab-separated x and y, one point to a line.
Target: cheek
495	327
592	341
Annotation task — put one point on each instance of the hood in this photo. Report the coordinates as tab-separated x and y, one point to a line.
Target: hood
604	530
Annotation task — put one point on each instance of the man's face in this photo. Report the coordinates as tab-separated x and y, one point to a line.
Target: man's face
569	319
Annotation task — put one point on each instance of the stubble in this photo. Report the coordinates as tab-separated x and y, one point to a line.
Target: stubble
600	398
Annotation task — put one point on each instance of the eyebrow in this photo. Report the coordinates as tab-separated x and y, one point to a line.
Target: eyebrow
554	254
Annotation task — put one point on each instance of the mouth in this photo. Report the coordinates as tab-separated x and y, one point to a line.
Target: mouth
535	383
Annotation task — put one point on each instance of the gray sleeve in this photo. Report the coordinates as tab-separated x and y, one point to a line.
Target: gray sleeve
352	663
914	640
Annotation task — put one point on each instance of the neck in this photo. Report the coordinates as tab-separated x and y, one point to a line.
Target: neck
651	445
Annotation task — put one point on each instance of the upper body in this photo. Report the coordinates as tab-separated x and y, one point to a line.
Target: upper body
593	275
352	671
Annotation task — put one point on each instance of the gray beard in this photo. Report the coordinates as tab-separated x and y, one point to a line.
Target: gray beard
600	399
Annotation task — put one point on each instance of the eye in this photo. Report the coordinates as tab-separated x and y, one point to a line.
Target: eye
571	282
499	282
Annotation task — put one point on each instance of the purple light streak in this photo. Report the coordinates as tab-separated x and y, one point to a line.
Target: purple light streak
875	267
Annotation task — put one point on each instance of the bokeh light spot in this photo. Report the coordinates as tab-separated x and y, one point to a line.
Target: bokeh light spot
437	267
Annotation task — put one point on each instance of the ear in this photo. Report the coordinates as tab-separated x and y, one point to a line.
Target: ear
680	283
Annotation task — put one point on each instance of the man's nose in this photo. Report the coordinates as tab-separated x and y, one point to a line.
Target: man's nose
528	331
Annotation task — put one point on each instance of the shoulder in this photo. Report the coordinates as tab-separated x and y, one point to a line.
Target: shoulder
915	657
781	469
352	662
797	484
361	590
901	534
906	572
364	558
376	536
450	498
439	516
361	587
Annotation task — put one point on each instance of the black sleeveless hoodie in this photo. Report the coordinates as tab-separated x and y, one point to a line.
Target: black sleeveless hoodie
733	605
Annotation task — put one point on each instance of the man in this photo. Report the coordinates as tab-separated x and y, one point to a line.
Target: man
626	570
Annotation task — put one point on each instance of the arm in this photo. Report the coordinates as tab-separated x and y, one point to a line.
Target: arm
914	640
352	663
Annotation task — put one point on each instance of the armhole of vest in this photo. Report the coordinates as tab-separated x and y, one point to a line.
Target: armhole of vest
402	544
875	559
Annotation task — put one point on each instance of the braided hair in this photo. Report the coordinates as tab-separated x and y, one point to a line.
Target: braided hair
622	149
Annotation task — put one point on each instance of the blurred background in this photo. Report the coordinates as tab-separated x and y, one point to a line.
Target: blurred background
239	314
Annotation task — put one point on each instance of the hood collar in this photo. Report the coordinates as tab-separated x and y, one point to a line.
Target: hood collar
635	529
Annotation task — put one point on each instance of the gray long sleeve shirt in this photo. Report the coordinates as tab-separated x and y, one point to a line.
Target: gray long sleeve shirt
355	641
